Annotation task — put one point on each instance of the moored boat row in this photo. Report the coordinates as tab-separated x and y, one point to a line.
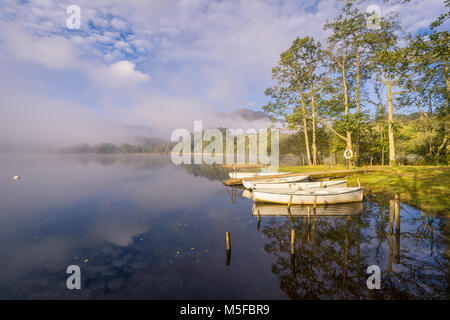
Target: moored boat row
293	186
273	182
298	190
310	196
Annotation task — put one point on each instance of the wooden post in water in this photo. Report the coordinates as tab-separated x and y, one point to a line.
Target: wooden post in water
313	232
391	233
290	201
397	213
259	219
309	214
315	202
292	241
228	249
359	182
397	228
293	269
289	214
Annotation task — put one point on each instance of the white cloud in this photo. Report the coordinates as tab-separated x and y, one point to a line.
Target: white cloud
121	73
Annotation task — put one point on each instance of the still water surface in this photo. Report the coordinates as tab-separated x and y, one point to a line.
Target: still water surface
141	227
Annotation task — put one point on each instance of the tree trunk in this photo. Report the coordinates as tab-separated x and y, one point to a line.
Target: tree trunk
381	109
447	82
313	110
305	131
358	110
392	158
305	125
344	82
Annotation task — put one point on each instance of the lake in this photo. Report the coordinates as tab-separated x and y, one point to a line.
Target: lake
140	227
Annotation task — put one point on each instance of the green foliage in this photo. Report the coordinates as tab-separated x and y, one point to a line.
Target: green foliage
358	62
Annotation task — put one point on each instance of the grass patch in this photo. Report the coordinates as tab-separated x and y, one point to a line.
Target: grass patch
423	187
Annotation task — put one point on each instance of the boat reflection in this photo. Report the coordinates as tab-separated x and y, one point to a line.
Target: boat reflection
275	210
248	194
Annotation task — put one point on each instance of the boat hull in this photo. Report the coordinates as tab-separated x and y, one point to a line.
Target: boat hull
274	181
243	175
297	185
311	196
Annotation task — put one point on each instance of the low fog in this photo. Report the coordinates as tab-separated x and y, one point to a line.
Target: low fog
33	121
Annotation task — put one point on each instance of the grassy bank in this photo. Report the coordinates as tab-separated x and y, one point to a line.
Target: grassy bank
424	187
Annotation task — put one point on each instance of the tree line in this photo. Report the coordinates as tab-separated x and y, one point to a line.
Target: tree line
113	148
377	91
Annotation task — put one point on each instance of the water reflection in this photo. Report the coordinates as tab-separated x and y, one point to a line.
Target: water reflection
334	247
149	229
274	210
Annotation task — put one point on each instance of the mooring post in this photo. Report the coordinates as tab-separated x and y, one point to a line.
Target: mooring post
391	234
397	247
391	215
309	213
290	201
228	248
397	213
293	272
292	241
258	219
315	202
289	214
397	228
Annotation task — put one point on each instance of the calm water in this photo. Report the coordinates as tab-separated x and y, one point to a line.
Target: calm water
140	227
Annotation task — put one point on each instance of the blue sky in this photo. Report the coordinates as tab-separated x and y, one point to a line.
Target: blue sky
160	64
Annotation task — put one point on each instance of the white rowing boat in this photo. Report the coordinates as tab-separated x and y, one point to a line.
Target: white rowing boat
273	181
243	175
293	186
276	210
310	196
